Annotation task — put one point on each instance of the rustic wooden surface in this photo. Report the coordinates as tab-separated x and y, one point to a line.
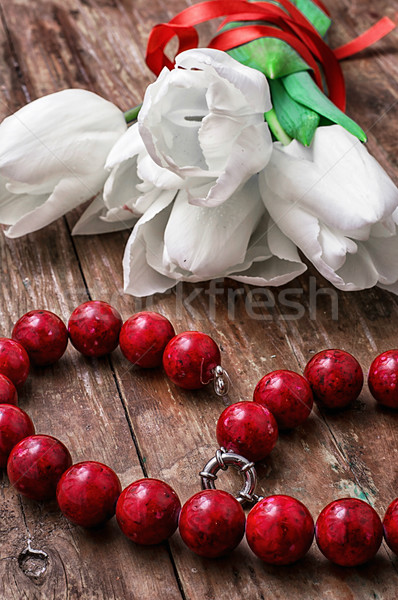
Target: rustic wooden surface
136	421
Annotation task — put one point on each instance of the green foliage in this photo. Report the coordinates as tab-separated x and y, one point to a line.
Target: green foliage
302	88
299	106
298	121
273	57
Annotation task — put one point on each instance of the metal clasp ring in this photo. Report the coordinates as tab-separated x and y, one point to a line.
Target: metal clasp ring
221	461
221	381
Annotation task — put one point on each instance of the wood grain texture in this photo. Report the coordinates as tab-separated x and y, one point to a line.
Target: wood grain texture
136	421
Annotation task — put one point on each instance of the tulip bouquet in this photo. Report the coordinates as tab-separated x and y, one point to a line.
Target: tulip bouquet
236	160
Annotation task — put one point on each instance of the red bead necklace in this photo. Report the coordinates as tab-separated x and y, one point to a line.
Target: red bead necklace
279	528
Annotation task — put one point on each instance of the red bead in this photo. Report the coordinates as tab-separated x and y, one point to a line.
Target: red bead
43	335
247	429
87	493
383	378
190	358
335	377
14	361
390	526
287	395
147	511
36	464
8	392
143	338
212	523
15	425
280	530
348	532
94	328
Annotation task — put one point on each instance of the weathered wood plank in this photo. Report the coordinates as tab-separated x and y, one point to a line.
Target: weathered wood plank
100	45
77	401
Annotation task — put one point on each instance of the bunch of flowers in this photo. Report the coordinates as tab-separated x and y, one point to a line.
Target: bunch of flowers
238	157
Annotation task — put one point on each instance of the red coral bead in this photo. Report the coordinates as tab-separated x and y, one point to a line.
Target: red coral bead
35	466
94	328
348	532
143	338
287	395
335	377
147	511
383	378
15	425
87	493
189	359
212	523
390	526
43	335
280	530
8	392
247	429
14	361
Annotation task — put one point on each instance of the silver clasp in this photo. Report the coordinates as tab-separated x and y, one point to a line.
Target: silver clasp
221	461
221	381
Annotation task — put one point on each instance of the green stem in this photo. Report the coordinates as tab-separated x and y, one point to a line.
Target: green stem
276	127
132	114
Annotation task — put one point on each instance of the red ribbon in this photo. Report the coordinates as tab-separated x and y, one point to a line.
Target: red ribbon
287	24
366	39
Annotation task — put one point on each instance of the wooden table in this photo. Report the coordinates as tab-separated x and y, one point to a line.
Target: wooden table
134	420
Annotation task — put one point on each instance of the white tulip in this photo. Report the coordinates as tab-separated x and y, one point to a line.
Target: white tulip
134	183
174	241
52	157
204	121
336	203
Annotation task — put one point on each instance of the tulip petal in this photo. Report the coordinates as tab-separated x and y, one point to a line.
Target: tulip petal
131	183
325	248
196	238
128	145
271	260
337	204
358	272
92	222
384	254
174	241
13	207
68	194
348	264
169	129
250	153
144	248
204	121
120	187
149	171
338	180
75	145
251	82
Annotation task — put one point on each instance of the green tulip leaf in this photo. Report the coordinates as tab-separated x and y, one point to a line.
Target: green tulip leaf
298	121
314	14
273	57
303	89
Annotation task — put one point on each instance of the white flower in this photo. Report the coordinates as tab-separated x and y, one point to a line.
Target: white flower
188	169
338	205
174	241
204	121
52	157
134	183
